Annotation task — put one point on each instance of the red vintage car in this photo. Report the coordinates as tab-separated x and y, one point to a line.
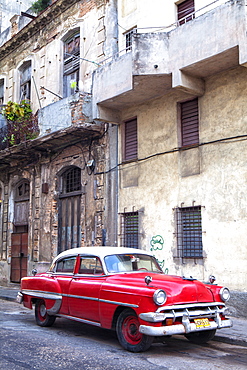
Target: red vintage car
124	289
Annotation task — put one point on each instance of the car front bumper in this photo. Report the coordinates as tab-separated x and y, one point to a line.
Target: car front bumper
184	328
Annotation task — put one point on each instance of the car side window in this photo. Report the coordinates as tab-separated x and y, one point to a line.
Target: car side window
90	265
66	265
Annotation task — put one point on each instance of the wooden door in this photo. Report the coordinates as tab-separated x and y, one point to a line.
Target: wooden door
19	255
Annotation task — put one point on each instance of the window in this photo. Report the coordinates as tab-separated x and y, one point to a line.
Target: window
189	232
25	81
66	265
71	65
186	11
129	230
90	265
1	91
130	140
72	180
129	38
189	123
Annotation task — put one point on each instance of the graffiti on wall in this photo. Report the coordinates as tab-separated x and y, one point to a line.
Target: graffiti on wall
157	244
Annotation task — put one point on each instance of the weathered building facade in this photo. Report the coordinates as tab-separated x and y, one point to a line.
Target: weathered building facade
162	95
54	194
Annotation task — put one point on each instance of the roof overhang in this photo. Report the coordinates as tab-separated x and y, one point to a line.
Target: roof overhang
31	151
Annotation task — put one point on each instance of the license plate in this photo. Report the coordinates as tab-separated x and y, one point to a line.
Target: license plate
202	323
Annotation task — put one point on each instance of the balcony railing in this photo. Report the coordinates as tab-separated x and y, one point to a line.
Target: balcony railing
16	132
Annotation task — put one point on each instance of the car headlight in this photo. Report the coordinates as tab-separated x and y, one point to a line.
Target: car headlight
224	294
159	297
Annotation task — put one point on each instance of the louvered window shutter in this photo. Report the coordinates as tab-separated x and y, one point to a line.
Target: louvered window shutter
184	11
131	139
190	122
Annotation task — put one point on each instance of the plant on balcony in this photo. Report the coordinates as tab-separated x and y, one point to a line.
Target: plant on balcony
40	5
21	123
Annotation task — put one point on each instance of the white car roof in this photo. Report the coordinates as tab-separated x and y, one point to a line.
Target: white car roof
100	251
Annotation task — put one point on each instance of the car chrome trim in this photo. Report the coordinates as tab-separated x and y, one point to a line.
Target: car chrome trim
80	320
101	300
184	328
42	294
19	297
80	297
58	296
120	303
190	305
192	311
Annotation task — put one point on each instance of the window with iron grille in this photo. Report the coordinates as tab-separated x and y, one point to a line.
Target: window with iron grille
129	38
72	180
130	140
129	230
71	64
189	232
186	11
189	122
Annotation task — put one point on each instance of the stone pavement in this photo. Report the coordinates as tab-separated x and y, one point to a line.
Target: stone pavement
236	335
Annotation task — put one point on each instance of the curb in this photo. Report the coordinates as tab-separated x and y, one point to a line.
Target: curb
230	340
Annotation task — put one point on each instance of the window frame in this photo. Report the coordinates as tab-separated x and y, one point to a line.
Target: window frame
189	232
25	82
187	14
129	230
93	270
71	64
128	36
130	140
188	127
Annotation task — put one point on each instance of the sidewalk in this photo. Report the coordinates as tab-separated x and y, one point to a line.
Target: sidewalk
236	335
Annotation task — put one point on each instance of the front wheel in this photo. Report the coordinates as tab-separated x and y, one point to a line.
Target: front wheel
201	337
41	315
128	333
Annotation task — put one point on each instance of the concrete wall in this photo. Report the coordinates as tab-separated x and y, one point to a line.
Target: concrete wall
212	175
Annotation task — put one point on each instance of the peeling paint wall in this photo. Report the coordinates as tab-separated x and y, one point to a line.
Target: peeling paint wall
161	183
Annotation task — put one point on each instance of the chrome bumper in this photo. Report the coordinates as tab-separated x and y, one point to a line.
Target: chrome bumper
184	328
19	298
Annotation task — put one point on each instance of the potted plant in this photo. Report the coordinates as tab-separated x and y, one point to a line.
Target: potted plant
21	123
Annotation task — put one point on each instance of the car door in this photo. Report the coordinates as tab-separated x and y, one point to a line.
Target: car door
85	288
63	273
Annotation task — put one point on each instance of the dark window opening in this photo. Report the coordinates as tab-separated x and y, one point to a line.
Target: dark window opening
72	180
189	232
130	140
190	122
25	81
129	237
129	39
186	11
1	91
71	65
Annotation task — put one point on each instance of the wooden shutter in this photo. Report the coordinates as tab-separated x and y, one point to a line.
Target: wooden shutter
184	11
130	140
190	122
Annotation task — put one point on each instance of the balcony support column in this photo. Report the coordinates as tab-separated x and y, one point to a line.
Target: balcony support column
187	83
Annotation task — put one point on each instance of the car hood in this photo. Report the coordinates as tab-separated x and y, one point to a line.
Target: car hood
179	290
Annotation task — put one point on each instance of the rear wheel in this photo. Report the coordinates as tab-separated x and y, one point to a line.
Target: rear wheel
201	337
41	315
128	332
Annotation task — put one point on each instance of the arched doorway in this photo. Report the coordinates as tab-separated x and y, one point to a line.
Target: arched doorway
69	209
19	237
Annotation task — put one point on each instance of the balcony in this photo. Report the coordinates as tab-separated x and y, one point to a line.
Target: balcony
63	123
178	59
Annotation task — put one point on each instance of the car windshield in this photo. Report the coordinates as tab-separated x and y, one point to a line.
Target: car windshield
131	262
